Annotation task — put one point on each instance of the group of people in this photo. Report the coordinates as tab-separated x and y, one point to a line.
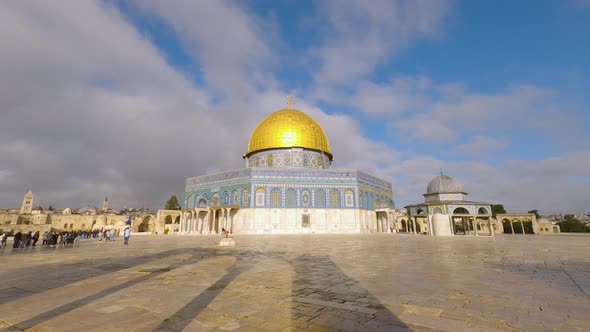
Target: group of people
110	234
21	239
29	239
53	238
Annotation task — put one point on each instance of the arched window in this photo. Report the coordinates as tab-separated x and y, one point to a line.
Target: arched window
189	201
291	197
225	198
320	198
305	198
275	198
437	210
335	198
482	210
235	198
260	197
349	198
202	203
245	198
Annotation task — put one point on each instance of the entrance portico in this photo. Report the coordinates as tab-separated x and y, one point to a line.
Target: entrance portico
207	220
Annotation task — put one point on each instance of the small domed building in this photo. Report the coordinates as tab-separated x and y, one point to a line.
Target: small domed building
446	211
287	186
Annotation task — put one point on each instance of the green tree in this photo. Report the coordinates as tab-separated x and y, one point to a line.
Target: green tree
536	213
498	209
573	226
172	203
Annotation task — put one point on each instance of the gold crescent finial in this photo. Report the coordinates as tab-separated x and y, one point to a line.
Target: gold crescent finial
289	102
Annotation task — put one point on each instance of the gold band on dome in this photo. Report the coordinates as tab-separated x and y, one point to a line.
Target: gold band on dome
289	128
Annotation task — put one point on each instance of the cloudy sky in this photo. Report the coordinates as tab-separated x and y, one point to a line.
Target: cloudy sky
127	99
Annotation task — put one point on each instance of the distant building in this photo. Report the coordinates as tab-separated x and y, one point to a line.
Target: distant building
446	212
86	218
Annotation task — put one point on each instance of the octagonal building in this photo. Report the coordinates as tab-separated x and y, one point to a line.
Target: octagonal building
287	186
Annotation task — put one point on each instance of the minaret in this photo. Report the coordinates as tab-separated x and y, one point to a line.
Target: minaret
105	205
27	206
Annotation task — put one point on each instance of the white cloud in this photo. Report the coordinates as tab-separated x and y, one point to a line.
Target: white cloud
231	46
91	108
404	94
476	113
479	146
360	34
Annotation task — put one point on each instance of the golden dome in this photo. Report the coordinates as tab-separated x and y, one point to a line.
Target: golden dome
288	128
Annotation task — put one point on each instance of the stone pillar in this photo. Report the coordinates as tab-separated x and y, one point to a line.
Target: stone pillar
181	222
475	226
227	219
511	226
193	222
452	224
206	222
490	226
522	225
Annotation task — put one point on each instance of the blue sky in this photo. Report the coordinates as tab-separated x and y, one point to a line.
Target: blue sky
494	93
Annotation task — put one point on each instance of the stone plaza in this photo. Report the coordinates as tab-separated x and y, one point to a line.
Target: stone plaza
319	282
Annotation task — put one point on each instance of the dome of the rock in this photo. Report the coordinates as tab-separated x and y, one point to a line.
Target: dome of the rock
288	128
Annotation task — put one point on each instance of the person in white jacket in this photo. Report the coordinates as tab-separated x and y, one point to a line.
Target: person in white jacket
126	235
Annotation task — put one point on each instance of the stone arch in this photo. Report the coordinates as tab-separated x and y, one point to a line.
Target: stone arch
404	225
177	220
461	210
419	211
225	198
437	210
482	210
168	220
147	224
506	226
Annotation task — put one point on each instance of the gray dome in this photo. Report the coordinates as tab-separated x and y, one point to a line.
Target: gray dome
443	184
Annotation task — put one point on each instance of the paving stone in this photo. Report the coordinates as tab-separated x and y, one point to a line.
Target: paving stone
362	282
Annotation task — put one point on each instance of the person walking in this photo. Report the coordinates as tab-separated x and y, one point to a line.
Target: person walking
113	231
35	238
16	239
3	239
126	235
